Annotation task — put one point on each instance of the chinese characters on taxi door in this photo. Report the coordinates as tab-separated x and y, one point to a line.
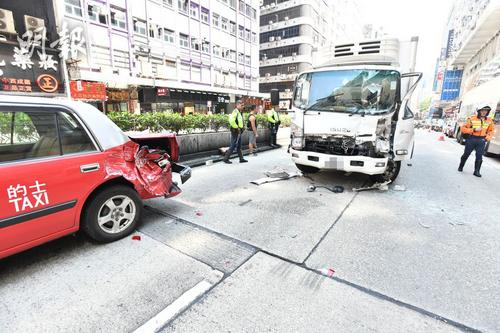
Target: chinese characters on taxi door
24	197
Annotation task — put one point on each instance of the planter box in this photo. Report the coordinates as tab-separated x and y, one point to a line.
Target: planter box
212	141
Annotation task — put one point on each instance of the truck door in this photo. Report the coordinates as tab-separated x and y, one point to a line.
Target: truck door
403	141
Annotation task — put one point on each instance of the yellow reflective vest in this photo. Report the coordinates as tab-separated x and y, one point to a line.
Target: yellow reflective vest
273	117
236	119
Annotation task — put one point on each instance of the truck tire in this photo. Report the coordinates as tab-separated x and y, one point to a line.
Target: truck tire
112	214
306	168
460	138
391	172
486	153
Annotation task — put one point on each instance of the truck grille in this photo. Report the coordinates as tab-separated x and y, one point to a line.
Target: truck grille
345	146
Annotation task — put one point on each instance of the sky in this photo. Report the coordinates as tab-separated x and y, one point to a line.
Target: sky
405	18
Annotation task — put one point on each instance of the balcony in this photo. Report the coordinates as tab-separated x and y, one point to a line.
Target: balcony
287	60
284	5
287	23
485	29
277	78
286	42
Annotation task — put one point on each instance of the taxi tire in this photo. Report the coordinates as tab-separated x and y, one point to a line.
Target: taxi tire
89	224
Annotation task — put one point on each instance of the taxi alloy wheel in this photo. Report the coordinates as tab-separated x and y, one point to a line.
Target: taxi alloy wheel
116	214
111	214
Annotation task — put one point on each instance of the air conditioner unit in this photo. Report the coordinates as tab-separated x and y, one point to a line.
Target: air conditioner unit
268	74
294	54
273	4
278	74
7	22
271	22
280	56
271	39
278	38
286	18
146	68
33	23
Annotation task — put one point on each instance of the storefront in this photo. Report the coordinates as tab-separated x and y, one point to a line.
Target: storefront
93	93
162	99
118	100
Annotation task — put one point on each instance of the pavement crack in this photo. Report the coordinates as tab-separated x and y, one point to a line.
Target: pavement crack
330	228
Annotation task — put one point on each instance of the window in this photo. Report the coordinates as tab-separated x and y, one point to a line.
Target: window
247	35
248	10
183	40
168	36
241	6
195	44
224	24
168	3
205	46
33	134
241	58
232	28
118	18
241	32
183	5
216	50
254	37
140	27
74	139
73	7
215	20
152	28
194	10
204	15
247	60
97	13
254	14
232	55
232	3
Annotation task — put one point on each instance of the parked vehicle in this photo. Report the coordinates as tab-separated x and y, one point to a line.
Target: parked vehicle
65	166
485	94
353	113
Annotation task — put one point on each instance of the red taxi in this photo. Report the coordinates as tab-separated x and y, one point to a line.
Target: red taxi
65	166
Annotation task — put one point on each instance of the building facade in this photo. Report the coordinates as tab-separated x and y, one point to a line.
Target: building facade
470	56
292	32
164	55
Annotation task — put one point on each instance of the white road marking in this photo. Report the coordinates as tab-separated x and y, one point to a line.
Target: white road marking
180	304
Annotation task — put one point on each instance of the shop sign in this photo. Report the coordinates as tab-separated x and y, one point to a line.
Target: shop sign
162	91
47	83
209	104
118	95
88	90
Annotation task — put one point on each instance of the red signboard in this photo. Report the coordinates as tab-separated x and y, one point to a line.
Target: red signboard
162	91
88	90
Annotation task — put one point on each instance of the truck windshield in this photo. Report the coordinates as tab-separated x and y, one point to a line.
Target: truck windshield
352	91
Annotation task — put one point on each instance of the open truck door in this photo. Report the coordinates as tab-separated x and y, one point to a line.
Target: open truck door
404	141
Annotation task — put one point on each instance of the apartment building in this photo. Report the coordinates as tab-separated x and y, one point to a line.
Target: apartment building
165	55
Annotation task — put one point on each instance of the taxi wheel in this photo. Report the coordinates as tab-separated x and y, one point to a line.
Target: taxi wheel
112	214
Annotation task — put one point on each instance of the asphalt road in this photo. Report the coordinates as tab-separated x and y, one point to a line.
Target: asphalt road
420	260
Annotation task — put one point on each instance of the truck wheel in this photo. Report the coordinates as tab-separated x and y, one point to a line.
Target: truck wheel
486	153
112	214
306	168
391	172
460	138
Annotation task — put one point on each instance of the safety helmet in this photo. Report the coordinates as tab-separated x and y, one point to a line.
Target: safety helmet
484	107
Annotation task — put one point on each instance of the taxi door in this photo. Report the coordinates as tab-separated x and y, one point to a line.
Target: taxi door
48	163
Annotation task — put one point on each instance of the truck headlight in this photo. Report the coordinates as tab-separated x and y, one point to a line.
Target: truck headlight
297	136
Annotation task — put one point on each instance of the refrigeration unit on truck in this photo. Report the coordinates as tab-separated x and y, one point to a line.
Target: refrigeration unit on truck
353	113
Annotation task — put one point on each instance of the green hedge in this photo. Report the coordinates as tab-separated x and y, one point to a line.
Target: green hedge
160	121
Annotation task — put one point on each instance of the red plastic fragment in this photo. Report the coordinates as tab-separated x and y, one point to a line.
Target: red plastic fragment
199	214
136	237
331	271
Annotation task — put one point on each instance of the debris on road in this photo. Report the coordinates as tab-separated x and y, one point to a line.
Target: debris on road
275	175
399	188
209	162
327	272
334	189
457	223
245	202
409	164
136	237
199	213
377	186
424	225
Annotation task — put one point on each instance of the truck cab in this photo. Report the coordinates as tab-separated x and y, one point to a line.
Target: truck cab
353	113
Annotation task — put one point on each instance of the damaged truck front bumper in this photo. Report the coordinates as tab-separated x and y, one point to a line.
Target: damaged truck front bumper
362	164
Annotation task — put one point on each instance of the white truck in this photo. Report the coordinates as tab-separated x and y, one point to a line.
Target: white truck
353	113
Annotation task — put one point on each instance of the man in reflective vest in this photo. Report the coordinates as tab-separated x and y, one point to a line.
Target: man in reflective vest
236	128
479	129
274	122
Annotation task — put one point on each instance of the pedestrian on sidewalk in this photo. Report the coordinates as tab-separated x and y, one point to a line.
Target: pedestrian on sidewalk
274	122
479	130
236	128
252	131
